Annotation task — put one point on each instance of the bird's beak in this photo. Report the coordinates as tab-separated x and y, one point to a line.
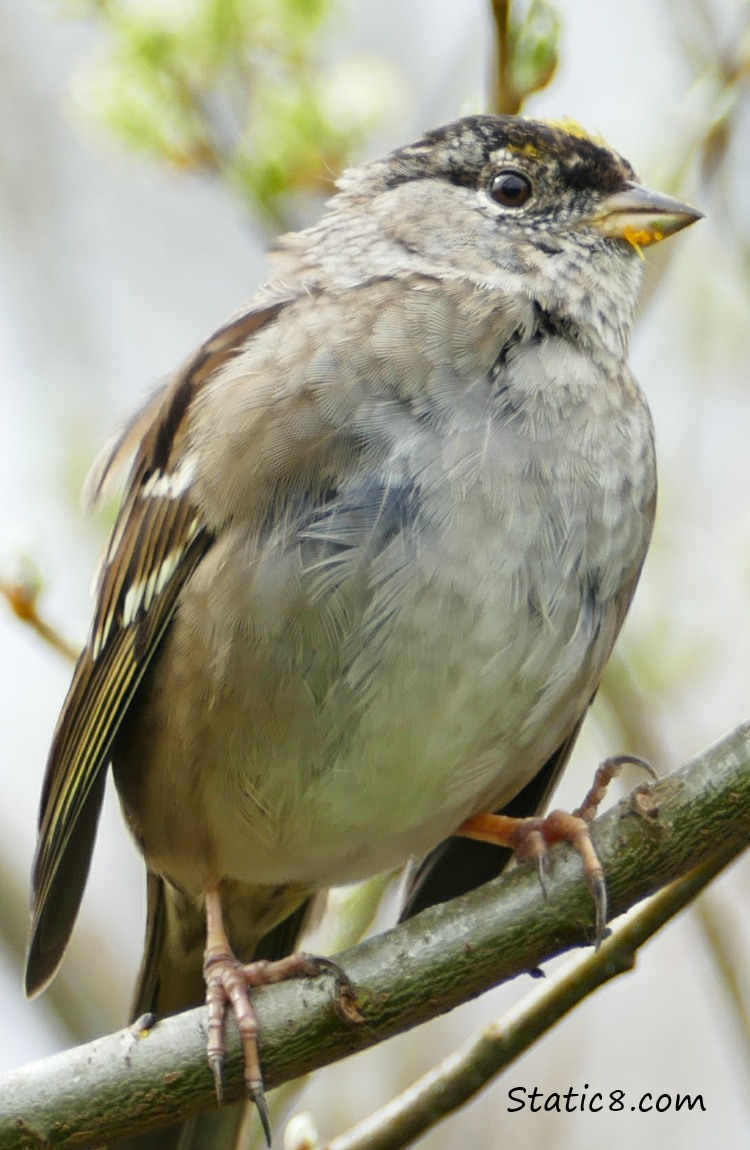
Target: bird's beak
641	216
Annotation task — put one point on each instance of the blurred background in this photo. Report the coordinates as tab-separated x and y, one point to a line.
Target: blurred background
148	153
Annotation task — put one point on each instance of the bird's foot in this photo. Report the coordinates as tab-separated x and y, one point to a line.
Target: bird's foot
532	838
228	983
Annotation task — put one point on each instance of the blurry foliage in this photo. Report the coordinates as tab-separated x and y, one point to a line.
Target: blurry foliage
708	163
719	52
528	50
242	89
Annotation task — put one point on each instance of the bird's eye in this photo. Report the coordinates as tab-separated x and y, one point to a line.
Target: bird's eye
510	189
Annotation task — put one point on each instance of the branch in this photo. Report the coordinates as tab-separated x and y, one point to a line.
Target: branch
22	592
527	48
463	1074
127	1081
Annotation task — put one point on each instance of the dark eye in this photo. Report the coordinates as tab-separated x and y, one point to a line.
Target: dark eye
510	189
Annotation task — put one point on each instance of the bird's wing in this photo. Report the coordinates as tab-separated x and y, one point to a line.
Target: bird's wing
157	541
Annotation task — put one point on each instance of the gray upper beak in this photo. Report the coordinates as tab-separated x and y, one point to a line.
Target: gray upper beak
642	216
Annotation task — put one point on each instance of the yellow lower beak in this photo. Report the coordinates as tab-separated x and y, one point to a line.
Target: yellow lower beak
641	216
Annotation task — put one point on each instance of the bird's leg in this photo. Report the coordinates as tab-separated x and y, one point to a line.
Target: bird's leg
531	838
228	981
225	984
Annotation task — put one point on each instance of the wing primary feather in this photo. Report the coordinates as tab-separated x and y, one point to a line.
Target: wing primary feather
99	696
157	541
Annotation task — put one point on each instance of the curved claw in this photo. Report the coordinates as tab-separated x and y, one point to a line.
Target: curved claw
616	762
542	868
599	893
216	1062
257	1095
346	1003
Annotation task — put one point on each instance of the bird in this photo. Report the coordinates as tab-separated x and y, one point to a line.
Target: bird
378	536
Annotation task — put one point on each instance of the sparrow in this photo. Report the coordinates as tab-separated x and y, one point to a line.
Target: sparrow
378	536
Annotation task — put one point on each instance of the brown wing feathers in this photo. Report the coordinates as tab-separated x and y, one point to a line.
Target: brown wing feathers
155	545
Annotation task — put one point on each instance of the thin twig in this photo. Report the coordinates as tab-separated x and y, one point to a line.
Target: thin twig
504	96
719	933
639	728
463	1074
23	599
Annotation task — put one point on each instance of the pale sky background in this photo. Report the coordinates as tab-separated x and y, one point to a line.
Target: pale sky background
111	270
